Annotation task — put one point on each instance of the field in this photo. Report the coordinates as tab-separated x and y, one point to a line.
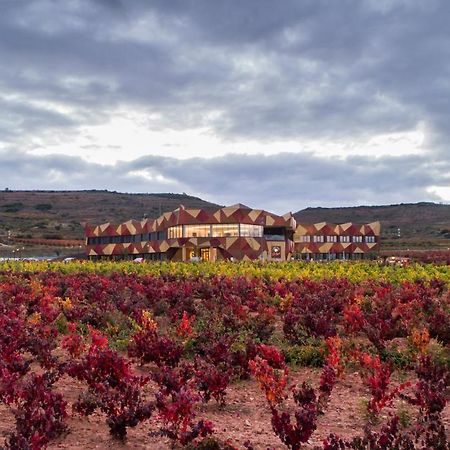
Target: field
224	356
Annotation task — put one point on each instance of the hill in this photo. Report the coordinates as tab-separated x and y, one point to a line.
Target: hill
59	214
407	225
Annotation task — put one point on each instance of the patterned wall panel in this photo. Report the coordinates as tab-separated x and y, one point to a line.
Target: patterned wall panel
238	247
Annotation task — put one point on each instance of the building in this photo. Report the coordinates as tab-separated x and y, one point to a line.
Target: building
234	232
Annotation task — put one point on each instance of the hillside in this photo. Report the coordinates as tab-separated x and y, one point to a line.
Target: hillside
59	214
422	225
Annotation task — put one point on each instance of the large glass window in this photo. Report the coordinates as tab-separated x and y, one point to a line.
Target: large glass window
216	230
331	238
318	238
344	238
251	230
274	233
357	238
225	230
174	232
197	230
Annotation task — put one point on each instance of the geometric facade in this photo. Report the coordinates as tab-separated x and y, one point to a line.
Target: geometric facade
336	241
234	232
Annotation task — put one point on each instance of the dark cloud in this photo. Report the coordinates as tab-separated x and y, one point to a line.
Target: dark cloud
283	182
294	69
254	69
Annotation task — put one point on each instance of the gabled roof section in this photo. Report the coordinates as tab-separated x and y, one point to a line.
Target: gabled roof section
349	228
238	213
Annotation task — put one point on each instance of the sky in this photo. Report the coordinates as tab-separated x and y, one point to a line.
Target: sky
279	105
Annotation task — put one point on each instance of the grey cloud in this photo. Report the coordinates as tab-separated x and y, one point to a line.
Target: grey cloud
271	70
280	183
292	69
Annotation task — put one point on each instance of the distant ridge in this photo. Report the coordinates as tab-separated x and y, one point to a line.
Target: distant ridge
53	214
59	214
423	224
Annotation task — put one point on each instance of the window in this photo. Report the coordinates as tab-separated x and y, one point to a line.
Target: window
331	238
225	230
305	238
370	239
173	232
318	238
344	238
197	230
357	238
250	230
274	233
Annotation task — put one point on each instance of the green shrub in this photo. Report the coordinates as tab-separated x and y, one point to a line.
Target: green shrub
12	207
43	206
398	359
61	324
308	355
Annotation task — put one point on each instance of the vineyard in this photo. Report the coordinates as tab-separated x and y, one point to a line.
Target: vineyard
224	356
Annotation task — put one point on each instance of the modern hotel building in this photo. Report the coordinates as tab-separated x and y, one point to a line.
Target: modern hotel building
234	232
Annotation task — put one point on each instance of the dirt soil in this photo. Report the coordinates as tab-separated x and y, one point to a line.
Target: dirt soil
245	417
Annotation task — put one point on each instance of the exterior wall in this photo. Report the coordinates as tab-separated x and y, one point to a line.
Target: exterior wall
336	241
278	238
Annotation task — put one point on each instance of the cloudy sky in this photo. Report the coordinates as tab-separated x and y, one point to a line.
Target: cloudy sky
276	104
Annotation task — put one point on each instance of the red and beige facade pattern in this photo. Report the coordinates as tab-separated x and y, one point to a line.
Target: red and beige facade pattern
336	241
235	232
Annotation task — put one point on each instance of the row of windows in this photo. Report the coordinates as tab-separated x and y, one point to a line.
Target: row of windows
179	231
219	230
332	256
147	256
127	238
321	238
227	230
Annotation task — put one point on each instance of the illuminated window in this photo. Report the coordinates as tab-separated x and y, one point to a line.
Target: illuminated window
344	238
175	232
251	230
225	230
318	238
197	230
